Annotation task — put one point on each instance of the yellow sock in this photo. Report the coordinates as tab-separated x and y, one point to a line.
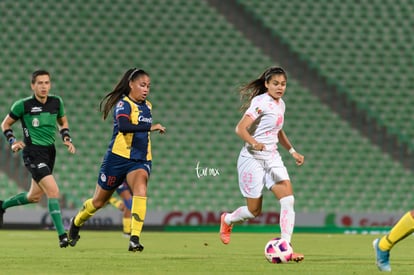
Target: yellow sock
87	211
403	228
127	225
138	211
115	202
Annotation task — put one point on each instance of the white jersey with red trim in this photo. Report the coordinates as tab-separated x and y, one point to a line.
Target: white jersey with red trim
268	115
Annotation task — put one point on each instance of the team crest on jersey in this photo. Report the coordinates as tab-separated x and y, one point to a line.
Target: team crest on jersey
120	104
103	177
258	110
35	122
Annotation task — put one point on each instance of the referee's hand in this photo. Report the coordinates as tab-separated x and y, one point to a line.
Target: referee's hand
71	147
17	146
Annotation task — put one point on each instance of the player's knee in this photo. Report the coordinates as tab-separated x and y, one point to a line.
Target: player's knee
34	199
98	203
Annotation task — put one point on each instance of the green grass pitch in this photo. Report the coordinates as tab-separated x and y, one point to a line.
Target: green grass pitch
105	252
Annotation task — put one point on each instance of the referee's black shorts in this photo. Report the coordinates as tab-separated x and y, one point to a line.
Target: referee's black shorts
39	160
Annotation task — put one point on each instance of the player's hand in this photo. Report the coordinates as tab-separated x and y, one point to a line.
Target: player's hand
71	147
300	159
158	127
17	146
259	146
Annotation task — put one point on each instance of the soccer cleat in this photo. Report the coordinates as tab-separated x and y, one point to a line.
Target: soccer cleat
2	211
63	240
382	257
297	257
73	233
134	244
225	230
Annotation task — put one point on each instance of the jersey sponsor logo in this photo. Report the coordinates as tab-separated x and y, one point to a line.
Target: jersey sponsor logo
36	109
35	122
145	119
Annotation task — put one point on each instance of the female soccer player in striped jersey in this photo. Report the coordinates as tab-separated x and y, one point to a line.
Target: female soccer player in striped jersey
259	164
128	156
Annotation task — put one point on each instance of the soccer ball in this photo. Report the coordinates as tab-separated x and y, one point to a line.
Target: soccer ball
278	251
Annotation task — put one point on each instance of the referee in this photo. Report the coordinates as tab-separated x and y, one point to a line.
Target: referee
38	115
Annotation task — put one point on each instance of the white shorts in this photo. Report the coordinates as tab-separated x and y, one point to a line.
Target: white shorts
254	174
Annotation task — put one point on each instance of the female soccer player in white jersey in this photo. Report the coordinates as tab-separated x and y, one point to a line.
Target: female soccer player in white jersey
259	163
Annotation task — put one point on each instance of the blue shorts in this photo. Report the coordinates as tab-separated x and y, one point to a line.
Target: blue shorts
114	169
123	187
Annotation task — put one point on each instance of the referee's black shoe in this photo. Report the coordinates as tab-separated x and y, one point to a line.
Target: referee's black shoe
63	240
134	244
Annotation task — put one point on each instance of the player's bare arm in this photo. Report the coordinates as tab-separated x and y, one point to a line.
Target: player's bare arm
241	131
158	127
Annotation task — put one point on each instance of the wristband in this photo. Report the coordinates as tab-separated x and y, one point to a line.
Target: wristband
65	134
8	133
12	140
292	150
9	136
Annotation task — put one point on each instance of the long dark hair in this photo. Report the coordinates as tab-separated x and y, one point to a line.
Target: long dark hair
257	87
121	89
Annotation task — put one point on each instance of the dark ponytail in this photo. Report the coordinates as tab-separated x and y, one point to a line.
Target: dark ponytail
120	90
257	87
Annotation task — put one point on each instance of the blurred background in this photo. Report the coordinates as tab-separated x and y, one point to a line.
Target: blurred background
349	97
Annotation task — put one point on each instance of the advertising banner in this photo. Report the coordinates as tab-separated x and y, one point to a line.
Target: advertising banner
110	217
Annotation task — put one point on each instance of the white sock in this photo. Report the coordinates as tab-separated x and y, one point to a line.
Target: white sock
287	217
239	215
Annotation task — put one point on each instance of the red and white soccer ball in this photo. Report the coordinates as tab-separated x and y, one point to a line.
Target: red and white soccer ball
278	251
